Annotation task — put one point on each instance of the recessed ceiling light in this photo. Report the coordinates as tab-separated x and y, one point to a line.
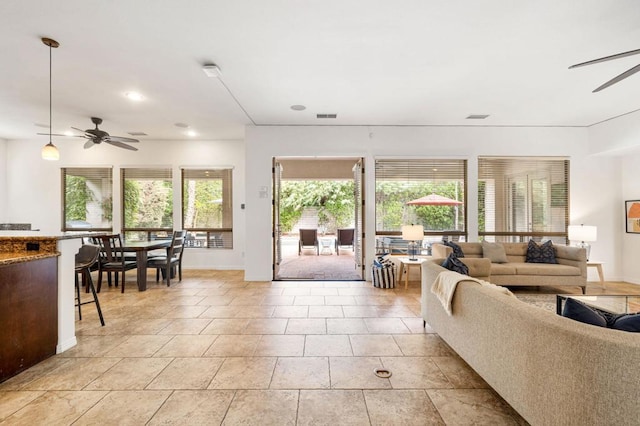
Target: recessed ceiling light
182	125
477	116
68	133
211	70
134	96
298	107
191	133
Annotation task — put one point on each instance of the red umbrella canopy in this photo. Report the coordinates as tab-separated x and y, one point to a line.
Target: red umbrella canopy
434	200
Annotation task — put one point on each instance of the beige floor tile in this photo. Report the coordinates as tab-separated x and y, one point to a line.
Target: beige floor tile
212	291
327	345
401	408
278	300
34	373
73	375
226	326
323	291
374	345
124	408
291	312
193	407
471	406
265	311
244	373
295	291
187	373
147	326
332	407
233	345
301	373
360	311
186	326
326	312
221	312
186	346
10	402
186	311
459	373
247	301
422	345
356	373
139	346
55	408
307	326
263	407
415	325
280	345
266	326
386	325
340	300
309	300
129	374
346	326
415	373
93	346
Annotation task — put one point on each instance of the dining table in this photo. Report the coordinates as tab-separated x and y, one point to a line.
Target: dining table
141	249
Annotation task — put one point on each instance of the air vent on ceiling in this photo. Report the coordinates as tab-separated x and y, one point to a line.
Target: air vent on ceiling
326	115
138	134
477	116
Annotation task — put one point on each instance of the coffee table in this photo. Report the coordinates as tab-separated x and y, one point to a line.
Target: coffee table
613	303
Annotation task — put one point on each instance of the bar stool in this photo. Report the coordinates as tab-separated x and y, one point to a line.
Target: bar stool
85	259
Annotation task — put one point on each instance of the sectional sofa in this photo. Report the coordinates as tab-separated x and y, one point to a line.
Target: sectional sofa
550	369
571	269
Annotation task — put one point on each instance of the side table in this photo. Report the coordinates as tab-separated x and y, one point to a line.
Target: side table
405	267
598	266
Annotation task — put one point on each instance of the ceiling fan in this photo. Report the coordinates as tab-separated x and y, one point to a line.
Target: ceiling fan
618	78
97	136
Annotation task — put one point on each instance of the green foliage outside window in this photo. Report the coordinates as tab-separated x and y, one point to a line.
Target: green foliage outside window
148	203
203	203
77	196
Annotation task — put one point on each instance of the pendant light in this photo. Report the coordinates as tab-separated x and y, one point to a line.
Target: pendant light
49	151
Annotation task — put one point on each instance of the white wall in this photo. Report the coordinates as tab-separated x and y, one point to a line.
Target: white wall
3	179
33	185
589	173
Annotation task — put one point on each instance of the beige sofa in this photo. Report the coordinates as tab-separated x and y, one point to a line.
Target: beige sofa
550	369
571	269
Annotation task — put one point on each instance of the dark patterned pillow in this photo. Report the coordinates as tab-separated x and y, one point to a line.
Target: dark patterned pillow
454	264
627	322
457	250
543	253
578	311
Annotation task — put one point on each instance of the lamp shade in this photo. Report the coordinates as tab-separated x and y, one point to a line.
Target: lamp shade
412	232
50	152
583	233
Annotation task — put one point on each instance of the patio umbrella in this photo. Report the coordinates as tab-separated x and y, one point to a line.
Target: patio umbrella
434	200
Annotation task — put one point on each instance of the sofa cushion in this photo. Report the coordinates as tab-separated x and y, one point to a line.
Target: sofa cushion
578	311
457	250
627	322
543	253
503	269
543	269
494	251
452	263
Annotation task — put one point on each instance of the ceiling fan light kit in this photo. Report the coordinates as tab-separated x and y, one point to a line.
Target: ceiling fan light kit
617	78
49	151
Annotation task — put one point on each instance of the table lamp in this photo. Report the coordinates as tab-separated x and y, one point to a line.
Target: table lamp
412	233
584	234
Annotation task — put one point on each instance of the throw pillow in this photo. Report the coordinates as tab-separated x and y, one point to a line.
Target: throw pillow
578	311
494	251
543	253
457	250
454	264
627	322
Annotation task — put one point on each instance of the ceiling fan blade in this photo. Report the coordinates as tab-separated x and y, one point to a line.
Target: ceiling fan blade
619	78
123	139
52	134
88	144
121	145
607	58
80	130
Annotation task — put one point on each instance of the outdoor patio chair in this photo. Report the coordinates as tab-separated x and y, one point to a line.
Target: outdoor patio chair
308	239
344	238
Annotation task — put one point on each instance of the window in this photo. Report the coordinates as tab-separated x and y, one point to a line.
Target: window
523	197
207	212
147	203
399	182
87	199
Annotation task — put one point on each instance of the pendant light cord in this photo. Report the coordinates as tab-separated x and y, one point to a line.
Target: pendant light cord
50	103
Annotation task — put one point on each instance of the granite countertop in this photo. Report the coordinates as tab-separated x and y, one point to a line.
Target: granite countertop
38	236
9	258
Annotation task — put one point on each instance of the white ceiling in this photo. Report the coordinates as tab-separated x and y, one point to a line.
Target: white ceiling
373	62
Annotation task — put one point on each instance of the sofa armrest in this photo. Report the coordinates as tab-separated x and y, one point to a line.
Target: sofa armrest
440	250
572	256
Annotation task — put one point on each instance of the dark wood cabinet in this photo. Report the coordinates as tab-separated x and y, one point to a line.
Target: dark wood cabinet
28	314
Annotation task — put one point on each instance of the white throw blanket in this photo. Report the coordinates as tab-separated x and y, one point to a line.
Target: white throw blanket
445	285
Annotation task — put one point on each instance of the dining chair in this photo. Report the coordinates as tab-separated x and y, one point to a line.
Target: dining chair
172	260
308	238
112	259
87	257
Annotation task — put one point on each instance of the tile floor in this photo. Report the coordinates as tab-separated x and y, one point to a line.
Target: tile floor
214	349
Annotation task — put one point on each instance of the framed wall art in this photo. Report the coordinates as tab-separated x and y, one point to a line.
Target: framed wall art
632	216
